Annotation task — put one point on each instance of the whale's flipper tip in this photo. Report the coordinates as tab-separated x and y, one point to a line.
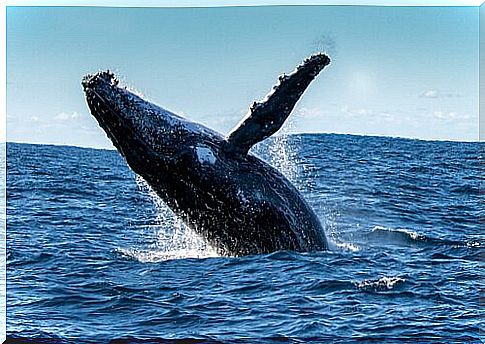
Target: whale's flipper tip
266	117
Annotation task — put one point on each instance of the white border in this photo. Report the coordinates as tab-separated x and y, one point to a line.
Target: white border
481	73
151	3
3	75
218	3
3	178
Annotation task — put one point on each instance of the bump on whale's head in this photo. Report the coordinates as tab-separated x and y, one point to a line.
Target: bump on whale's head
141	131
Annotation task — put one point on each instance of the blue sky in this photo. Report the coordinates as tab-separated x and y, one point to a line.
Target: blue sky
396	71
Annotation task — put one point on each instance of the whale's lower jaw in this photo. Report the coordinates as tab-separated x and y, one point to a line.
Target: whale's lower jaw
106	118
128	144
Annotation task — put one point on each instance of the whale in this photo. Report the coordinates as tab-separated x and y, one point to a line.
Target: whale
236	202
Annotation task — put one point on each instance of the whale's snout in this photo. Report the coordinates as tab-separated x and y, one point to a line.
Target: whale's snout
104	100
102	94
92	81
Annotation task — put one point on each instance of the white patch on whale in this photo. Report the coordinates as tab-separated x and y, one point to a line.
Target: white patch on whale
205	155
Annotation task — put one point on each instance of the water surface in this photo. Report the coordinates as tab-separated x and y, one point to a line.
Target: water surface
93	255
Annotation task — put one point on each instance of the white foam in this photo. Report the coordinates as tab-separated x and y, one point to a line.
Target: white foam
335	244
381	283
412	234
155	256
347	246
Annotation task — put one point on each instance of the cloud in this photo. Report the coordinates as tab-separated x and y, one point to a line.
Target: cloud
434	94
430	94
309	113
368	113
345	110
73	120
65	117
450	116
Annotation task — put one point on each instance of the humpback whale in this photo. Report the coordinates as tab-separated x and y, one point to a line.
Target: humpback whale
236	202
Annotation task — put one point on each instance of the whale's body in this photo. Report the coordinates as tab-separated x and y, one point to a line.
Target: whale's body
236	202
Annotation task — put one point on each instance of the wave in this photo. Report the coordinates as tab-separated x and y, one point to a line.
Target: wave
18	259
407	237
200	339
381	284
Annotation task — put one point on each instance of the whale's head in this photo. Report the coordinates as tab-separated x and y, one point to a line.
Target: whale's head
148	137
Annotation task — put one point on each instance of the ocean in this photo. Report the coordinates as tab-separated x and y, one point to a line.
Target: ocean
94	256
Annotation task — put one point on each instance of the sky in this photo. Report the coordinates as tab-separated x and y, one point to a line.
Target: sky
395	71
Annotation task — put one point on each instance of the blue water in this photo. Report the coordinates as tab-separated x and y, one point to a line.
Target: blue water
92	255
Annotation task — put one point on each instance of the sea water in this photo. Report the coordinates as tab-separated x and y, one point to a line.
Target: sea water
93	255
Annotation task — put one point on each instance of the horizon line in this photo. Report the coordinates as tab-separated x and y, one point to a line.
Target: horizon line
275	136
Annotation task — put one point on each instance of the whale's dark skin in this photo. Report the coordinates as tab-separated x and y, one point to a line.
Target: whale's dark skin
239	204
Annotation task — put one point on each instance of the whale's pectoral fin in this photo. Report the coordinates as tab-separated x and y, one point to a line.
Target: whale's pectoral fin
266	117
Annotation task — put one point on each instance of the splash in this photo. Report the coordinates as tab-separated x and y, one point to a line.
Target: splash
284	157
174	240
155	256
342	246
283	153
